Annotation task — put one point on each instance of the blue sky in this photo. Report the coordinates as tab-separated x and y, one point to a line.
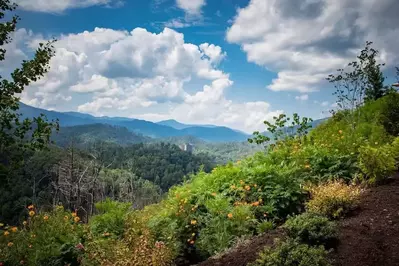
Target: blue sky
227	62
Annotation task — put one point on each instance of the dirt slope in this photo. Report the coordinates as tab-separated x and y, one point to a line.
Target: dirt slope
370	237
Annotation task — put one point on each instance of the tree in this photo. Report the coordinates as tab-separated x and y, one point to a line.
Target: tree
361	81
12	129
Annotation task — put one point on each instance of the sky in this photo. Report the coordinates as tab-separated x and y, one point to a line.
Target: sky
233	63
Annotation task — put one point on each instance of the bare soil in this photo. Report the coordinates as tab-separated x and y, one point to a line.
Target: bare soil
369	237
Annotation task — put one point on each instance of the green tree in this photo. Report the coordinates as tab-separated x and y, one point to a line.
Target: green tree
12	129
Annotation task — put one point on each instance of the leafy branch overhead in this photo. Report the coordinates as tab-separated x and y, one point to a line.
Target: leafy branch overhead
12	128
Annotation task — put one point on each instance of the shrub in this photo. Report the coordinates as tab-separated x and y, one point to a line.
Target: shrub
290	253
377	163
264	227
111	219
53	238
311	229
333	199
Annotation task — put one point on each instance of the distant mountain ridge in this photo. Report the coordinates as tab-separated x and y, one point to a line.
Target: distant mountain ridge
146	128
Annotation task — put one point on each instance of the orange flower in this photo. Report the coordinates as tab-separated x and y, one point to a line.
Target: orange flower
31	207
230	215
6	233
192	242
74	214
76	219
45	218
14	229
255	204
193	222
31	213
247	188
10	244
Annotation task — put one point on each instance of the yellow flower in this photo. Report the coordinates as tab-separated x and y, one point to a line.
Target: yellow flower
233	187
10	244
230	215
214	194
45	218
342	137
14	229
193	234
340	132
241	182
193	222
307	166
66	217
247	188
31	207
31	213
33	236
74	214
6	233
25	223
76	219
1	224
376	143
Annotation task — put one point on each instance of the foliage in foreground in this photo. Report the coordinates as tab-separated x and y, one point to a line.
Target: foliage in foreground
290	253
333	199
312	229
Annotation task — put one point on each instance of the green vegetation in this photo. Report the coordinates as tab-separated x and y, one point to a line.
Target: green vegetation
290	253
311	228
104	186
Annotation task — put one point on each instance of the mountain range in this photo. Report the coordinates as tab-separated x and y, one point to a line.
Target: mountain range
163	129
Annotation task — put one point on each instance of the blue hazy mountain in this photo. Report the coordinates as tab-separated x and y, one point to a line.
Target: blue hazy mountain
177	125
146	128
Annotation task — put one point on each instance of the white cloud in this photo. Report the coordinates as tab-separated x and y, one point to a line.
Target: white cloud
192	7
324	104
303	97
304	41
56	6
140	74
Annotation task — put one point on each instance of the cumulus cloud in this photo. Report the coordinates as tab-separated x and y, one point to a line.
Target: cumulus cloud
56	6
304	41
138	74
192	7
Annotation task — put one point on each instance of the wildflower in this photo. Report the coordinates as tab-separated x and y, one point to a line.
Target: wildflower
255	204
31	207
6	233
247	188
22	262
45	218
233	187
66	217
193	222
30	246
307	166
230	215
14	229
159	244
10	244
76	219
241	182
31	213
106	234
340	131
1	224
193	234
192	242
255	185
376	143
74	214
80	246
214	194
265	215
24	223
